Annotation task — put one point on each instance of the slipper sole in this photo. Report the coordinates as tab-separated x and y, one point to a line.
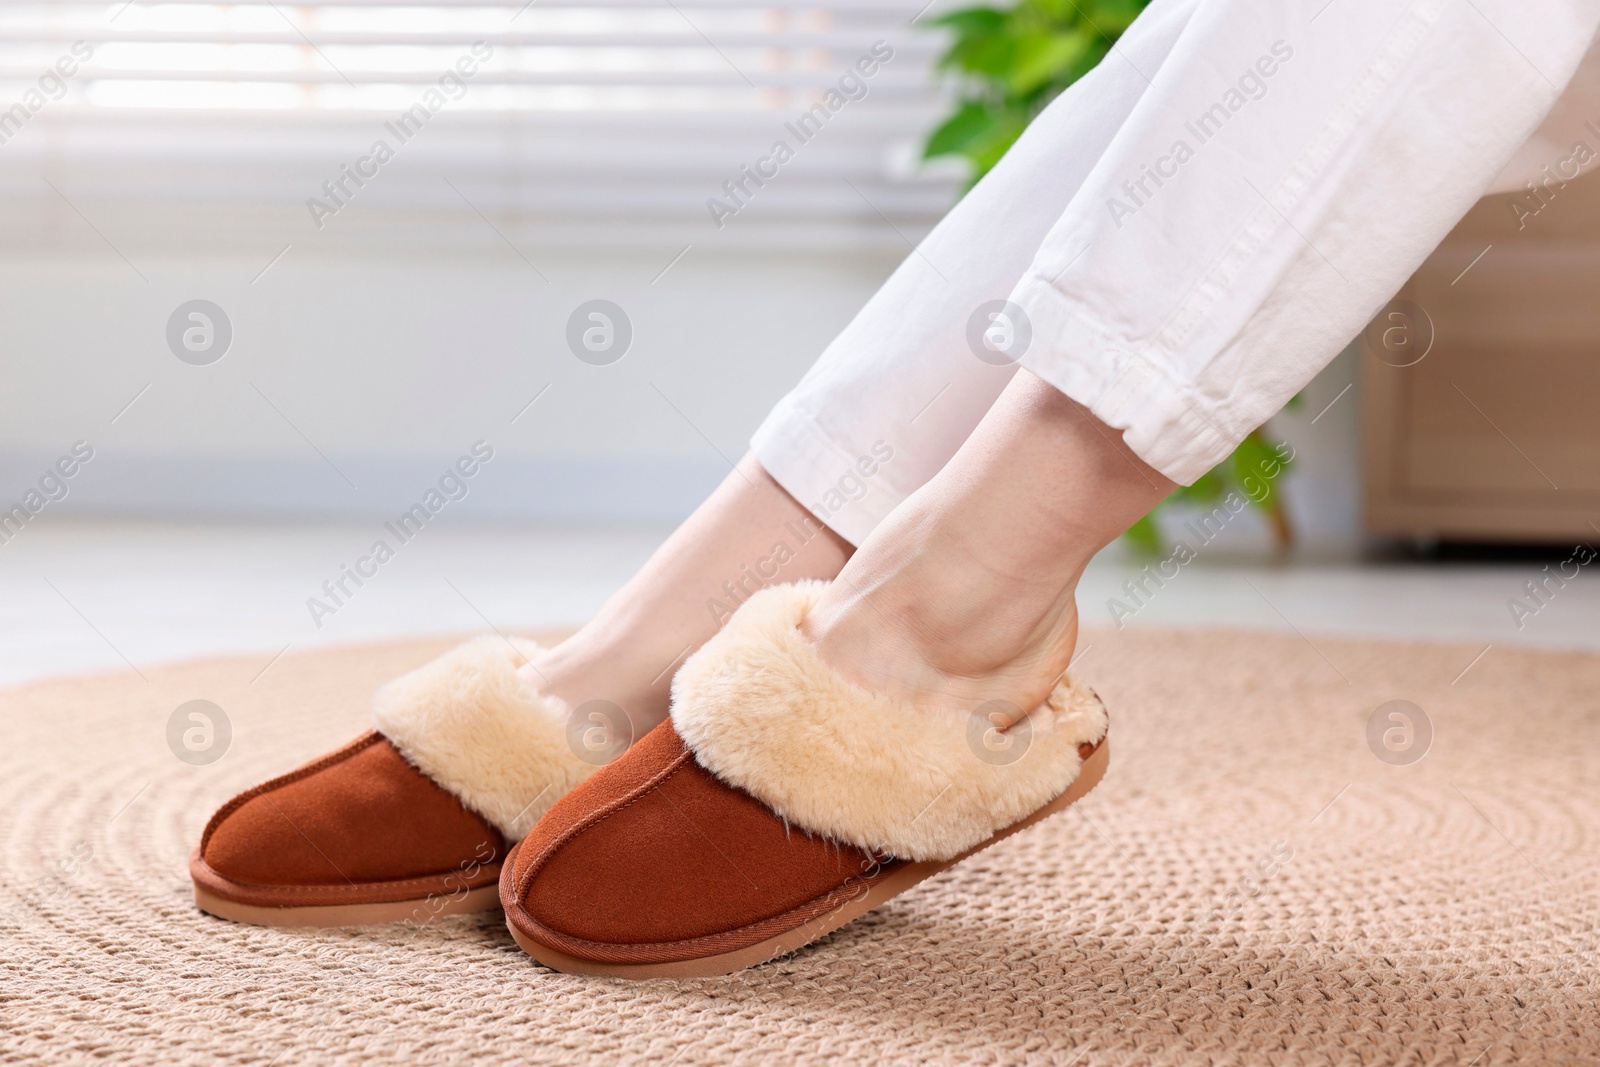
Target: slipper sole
484	898
214	900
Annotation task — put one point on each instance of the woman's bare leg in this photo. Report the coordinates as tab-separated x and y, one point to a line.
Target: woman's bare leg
747	534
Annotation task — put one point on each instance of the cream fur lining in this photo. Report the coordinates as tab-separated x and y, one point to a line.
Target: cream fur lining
763	713
466	721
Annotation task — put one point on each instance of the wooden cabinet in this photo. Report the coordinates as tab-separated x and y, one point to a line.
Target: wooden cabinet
1481	380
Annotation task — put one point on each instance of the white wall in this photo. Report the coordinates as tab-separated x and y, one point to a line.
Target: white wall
393	365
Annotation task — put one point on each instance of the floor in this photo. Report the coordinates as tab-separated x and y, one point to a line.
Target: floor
1246	887
80	596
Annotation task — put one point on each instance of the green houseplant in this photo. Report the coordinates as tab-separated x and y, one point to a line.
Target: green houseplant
1009	62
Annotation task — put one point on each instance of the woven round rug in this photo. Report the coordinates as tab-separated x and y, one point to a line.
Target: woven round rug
1283	866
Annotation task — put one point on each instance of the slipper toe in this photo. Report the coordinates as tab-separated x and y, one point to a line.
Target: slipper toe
657	861
409	821
358	826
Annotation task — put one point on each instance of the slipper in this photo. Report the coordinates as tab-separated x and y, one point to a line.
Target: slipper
777	803
407	822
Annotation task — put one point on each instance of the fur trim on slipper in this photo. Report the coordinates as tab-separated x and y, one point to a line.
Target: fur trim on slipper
762	712
466	721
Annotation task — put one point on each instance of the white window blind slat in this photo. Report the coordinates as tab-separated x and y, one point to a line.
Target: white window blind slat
611	120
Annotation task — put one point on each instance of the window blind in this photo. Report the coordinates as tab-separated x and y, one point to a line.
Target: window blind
609	121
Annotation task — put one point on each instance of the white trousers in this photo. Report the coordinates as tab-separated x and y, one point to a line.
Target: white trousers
1191	231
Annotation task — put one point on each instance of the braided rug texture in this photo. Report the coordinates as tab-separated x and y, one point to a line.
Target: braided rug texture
1251	884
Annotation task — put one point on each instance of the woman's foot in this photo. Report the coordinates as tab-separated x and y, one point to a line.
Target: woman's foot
748	534
965	594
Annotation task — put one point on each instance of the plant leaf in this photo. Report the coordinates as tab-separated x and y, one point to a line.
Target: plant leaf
985	151
1041	58
972	21
972	122
1145	536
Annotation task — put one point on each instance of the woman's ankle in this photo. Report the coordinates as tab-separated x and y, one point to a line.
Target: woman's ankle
940	626
586	668
626	655
939	674
965	594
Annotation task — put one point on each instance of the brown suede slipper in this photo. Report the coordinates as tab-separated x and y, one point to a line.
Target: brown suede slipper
779	803
408	822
